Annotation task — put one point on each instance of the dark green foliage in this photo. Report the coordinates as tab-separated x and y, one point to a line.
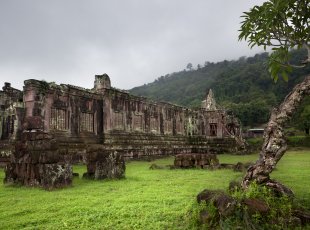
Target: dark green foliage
189	66
277	216
299	141
243	85
255	112
301	119
255	144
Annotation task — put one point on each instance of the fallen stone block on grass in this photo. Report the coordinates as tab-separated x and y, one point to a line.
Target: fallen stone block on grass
196	160
103	164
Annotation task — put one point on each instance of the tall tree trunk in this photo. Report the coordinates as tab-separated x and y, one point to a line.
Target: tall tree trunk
274	145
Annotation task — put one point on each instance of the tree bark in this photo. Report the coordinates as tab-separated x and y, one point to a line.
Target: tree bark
275	145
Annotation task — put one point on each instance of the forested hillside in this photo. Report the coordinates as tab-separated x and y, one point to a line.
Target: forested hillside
242	85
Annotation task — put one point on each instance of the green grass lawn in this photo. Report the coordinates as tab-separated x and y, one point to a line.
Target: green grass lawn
146	199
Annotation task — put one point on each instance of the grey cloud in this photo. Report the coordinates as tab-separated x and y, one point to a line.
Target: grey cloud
134	41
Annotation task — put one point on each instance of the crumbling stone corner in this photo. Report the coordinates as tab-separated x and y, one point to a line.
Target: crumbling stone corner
36	161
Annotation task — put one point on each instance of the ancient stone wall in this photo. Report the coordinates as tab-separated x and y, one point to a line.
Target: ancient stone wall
11	111
11	118
127	113
67	111
132	125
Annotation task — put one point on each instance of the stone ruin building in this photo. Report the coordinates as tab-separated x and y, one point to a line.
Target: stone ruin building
11	116
46	127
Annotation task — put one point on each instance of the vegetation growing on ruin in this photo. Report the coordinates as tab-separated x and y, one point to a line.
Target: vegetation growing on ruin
146	199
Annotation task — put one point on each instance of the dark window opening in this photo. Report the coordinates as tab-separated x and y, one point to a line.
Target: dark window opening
213	129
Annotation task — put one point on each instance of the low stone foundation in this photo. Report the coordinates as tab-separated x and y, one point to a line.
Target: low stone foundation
196	160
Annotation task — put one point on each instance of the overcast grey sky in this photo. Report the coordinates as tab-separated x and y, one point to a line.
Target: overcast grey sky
133	41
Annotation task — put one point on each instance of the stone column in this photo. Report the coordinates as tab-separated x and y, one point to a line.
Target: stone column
37	161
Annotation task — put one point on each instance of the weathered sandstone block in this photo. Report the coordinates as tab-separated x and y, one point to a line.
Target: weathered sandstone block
199	160
102	164
36	161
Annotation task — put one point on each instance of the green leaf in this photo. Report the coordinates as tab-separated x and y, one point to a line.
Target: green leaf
284	76
275	78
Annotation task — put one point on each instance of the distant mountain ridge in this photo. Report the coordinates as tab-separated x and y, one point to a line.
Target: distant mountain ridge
242	85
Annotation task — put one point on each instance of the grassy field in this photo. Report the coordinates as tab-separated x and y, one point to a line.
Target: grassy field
146	199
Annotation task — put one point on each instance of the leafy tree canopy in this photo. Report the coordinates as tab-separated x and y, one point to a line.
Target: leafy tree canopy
189	66
282	25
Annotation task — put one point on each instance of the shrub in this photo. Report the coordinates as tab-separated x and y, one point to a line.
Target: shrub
257	208
299	141
292	141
